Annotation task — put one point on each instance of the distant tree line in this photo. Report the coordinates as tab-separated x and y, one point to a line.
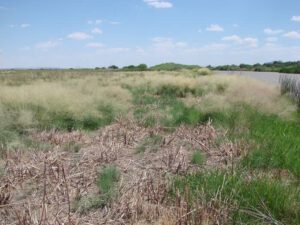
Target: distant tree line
141	67
276	66
144	67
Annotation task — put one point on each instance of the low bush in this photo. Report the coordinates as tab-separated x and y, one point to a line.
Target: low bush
203	71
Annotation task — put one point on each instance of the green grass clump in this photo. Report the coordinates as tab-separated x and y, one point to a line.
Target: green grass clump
197	158
177	91
182	114
269	200
107	182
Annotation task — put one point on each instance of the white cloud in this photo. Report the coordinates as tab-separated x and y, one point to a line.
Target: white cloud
234	38
167	43
25	48
140	50
271	39
119	50
79	36
214	47
95	45
91	22
270	31
252	42
235	25
249	41
159	4
162	42
199	31
114	22
215	28
180	44
25	25
295	18
46	45
98	21
97	31
292	35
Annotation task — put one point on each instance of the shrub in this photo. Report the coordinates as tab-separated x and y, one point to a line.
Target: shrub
204	71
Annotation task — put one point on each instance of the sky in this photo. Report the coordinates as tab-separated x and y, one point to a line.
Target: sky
96	33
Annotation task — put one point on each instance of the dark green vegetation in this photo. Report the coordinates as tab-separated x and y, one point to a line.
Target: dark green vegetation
141	67
276	66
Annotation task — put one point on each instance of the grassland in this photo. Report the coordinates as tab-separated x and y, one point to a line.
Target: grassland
103	147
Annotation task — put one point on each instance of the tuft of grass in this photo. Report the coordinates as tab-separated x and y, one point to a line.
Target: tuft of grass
85	204
197	158
290	85
107	182
72	146
151	143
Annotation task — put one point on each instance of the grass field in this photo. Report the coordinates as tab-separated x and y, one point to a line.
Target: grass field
104	147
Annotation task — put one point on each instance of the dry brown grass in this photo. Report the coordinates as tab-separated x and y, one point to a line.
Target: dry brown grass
42	186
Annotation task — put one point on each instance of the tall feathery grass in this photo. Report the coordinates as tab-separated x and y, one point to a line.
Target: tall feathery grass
290	85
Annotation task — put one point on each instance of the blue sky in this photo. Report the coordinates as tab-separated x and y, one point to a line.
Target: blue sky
90	33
